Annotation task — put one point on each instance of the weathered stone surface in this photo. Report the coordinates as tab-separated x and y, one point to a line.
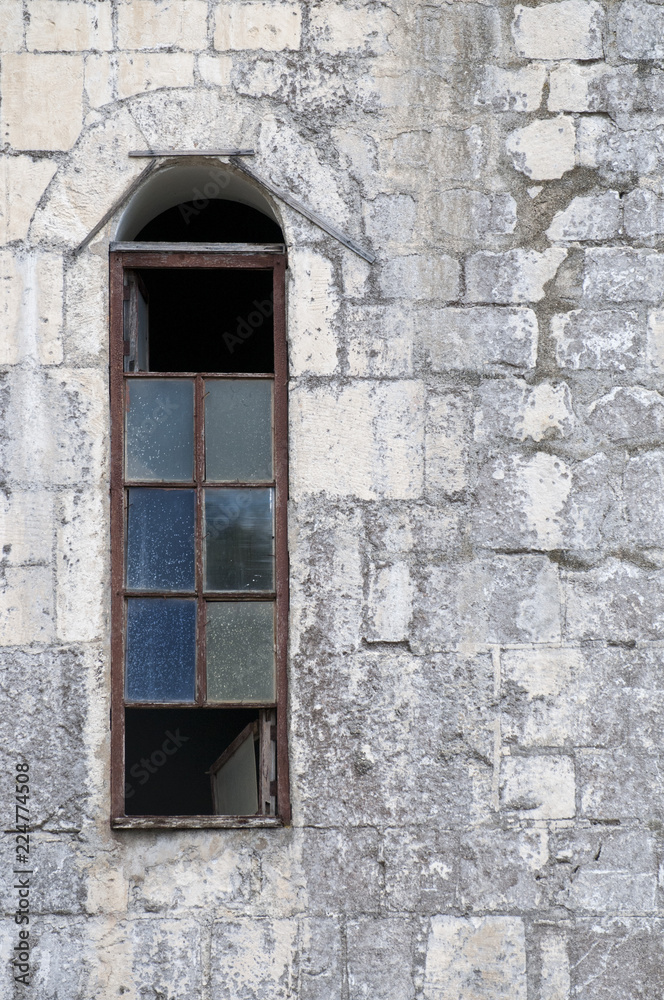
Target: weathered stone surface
617	601
512	89
570	29
11	26
623	275
479	957
164	24
538	787
544	150
512	276
605	870
138	72
389	603
620	785
26	528
311	326
446	441
577	88
417	276
602	950
99	79
337	30
380	963
253	958
472	338
514	411
369	420
633	416
421	869
644	214
639	30
258	25
23	181
341	870
68	26
471	214
590	217
379	340
31	308
41	100
501	869
606	339
81	566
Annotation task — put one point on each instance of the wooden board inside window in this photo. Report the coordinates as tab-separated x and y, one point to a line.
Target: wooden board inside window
199	482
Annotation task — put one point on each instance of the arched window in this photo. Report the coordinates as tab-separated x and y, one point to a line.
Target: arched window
199	492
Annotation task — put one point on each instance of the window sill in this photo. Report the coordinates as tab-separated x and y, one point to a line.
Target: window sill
195	822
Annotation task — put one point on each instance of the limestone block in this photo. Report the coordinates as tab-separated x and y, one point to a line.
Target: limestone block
337	29
31	308
11	26
472	338
57	425
571	29
58	882
22	183
81	567
545	149
26	528
162	24
215	70
554	966
341	870
471	214
577	88
511	276
447	438
629	415
321	963
420	276
86	310
538	787
380	340
604	340
69	26
588	217
138	72
655	339
644	213
253	956
41	680
479	958
619	784
640	29
615	153
499	869
623	274
313	344
59	955
390	218
42	99
361	440
389	603
161	951
412	529
270	26
460	155
496	599
514	411
26	606
616	601
421	869
380	957
469	32
603	949
643	485
610	892
512	89
99	79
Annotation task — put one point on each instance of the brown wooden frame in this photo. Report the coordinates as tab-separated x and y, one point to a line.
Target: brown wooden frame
246	256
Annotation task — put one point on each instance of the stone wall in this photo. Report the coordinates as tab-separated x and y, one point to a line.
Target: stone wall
477	498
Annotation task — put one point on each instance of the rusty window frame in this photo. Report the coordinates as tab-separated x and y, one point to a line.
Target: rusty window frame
272	257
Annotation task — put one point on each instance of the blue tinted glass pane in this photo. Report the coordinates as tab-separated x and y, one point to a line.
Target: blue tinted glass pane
240	651
161	649
159	429
238	430
239	539
160	539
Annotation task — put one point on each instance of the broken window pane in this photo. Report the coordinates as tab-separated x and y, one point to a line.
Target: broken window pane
238	430
159	416
239	539
234	776
160	539
240	651
161	649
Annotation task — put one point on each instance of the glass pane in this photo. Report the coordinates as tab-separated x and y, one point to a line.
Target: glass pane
240	651
239	539
238	430
159	429
161	649
160	539
234	780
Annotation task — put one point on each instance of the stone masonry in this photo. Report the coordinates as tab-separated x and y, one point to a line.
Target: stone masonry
477	498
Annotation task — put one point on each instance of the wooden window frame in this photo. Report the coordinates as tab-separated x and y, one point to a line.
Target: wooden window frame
133	256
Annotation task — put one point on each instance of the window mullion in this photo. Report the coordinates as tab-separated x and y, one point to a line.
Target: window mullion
199	475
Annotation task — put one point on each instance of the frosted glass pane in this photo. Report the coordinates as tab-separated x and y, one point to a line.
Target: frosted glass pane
160	539
239	539
161	649
238	430
240	651
159	415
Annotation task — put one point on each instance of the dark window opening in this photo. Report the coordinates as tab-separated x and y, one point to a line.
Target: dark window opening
211	221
